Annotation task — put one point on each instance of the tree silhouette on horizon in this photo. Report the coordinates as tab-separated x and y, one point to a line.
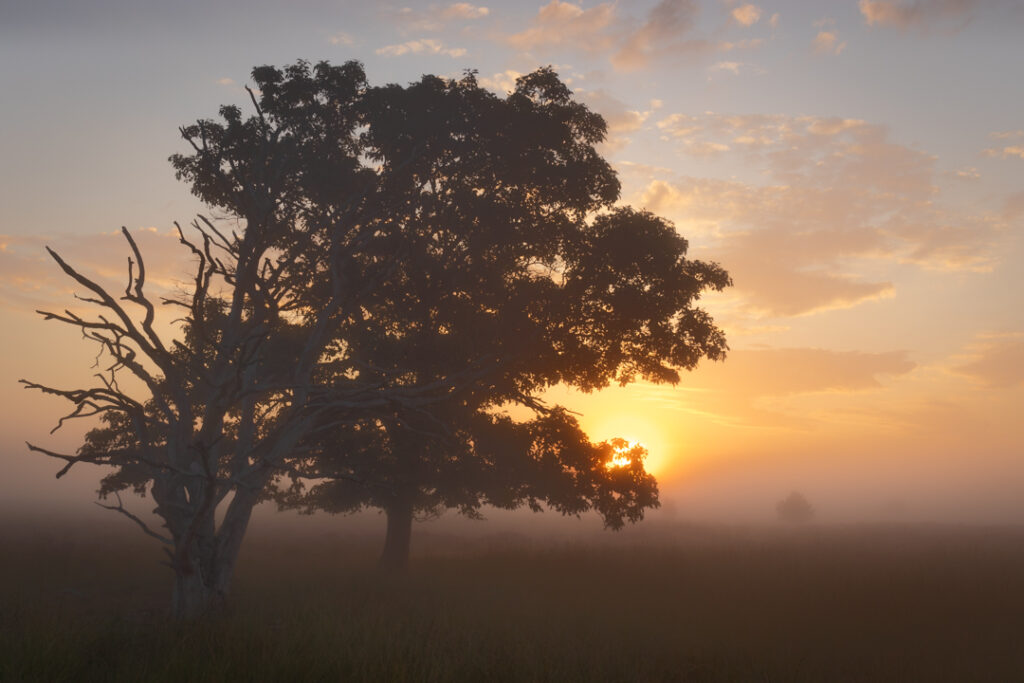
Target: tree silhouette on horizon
795	508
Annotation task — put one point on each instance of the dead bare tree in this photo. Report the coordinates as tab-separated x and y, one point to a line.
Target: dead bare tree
218	419
227	401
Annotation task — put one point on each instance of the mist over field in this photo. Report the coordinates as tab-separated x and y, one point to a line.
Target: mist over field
745	492
548	601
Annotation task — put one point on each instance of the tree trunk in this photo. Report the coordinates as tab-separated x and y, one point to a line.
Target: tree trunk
195	565
395	557
194	597
229	537
204	565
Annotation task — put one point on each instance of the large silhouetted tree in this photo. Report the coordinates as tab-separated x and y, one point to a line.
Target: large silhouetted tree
519	255
399	254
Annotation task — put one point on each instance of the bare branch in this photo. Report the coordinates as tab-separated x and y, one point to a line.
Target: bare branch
70	459
145	527
133	292
226	244
256	105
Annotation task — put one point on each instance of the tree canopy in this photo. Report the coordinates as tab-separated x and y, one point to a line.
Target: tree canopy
516	252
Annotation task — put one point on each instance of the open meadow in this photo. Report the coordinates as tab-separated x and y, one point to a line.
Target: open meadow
663	602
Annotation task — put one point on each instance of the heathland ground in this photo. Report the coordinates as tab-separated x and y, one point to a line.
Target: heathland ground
661	602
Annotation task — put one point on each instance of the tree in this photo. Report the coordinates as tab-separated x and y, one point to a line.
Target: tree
218	414
795	508
520	255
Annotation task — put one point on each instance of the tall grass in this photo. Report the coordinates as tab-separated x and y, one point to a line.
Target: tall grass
869	604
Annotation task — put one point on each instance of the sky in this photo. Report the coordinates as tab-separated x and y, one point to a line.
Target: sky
856	165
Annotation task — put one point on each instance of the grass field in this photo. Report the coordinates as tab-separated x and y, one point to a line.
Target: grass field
668	603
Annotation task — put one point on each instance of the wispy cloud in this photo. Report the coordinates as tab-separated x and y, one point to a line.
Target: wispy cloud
1012	148
620	118
788	388
744	44
754	387
827	41
559	24
667	31
921	14
746	15
436	17
968	173
837	196
734	68
427	46
502	82
731	67
29	279
785	371
663	34
1008	152
464	10
996	362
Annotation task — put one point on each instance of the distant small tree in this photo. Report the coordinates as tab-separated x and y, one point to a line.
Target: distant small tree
795	508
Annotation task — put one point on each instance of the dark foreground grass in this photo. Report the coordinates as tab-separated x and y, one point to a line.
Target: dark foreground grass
693	604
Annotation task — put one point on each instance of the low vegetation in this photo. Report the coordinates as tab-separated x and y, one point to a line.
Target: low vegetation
679	603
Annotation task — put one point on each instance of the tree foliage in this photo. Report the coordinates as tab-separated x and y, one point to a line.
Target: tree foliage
517	253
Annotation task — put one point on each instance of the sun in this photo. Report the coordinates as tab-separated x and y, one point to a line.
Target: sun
635	430
621	456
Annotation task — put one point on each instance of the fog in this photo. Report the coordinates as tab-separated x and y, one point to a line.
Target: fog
744	492
890	579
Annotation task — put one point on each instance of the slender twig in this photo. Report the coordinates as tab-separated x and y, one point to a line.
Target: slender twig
145	527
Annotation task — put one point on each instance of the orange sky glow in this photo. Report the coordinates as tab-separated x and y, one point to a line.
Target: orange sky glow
857	167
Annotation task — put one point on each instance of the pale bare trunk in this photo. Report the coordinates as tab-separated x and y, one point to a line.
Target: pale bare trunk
229	537
194	597
204	568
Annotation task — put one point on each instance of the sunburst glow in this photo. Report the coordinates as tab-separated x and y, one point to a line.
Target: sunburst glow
622	457
635	430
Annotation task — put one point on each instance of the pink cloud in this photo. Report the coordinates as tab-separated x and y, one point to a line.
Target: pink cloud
837	196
